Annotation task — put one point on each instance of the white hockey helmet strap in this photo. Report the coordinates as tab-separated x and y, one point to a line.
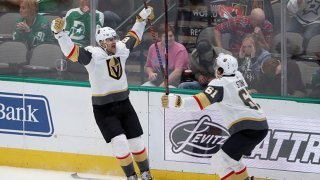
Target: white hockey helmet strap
105	33
228	63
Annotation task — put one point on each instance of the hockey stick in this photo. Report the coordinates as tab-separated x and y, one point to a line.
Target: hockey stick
155	42
166	48
160	16
76	176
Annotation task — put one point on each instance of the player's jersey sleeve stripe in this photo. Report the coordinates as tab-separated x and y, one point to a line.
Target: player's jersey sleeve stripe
74	54
202	100
198	101
134	34
131	40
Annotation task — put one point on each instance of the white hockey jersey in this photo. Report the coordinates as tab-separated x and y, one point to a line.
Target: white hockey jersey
107	75
235	103
106	72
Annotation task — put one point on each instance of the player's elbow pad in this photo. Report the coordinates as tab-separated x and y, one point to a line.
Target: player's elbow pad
138	28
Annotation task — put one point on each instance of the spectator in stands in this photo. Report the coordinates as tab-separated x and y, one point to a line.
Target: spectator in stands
44	6
240	26
202	63
194	16
305	19
270	80
78	23
32	28
246	7
251	57
178	60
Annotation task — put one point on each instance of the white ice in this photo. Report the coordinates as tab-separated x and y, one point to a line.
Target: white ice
13	173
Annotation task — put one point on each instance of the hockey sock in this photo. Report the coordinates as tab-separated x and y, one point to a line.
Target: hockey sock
229	176
141	160
121	150
126	164
243	174
139	153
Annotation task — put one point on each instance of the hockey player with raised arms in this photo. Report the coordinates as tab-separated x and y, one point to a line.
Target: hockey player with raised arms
245	120
114	114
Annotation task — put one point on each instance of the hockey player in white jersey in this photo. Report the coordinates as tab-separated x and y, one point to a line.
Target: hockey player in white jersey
114	114
245	120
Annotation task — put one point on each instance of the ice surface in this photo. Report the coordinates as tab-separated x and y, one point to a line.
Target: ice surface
13	173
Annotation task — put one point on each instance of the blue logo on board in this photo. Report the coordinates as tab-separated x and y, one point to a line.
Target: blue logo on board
25	114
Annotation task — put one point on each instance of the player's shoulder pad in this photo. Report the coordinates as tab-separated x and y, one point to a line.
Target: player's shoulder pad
92	49
217	82
239	76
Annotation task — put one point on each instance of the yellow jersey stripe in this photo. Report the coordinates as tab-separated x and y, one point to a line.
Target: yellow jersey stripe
74	54
204	101
112	92
134	35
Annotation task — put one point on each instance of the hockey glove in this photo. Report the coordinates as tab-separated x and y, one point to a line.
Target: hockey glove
57	25
146	13
171	101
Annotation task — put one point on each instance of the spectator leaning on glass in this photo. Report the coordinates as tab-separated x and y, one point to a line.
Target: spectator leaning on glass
305	19
78	23
32	28
251	57
270	79
110	95
202	63
240	26
178	60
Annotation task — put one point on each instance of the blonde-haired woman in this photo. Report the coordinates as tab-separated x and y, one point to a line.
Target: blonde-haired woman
32	28
251	57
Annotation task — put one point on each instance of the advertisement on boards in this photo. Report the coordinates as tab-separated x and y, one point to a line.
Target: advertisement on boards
25	114
292	144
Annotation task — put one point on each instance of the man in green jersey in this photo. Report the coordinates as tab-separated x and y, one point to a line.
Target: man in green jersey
78	23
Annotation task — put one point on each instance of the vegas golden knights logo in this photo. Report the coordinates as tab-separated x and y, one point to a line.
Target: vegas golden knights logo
114	67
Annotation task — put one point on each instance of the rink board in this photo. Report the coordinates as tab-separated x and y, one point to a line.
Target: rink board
52	127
